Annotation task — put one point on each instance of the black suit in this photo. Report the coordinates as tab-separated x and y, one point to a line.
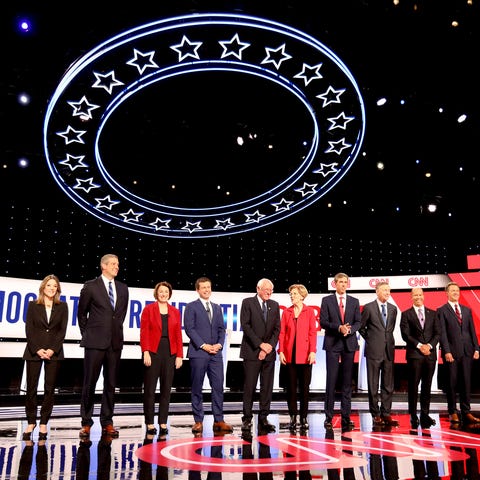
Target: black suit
101	327
46	334
421	367
461	341
255	332
380	355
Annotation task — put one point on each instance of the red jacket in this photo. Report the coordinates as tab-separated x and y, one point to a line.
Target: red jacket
151	329
303	331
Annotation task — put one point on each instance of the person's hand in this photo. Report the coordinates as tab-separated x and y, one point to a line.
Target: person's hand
449	357
266	347
311	358
178	362
147	359
262	355
425	349
476	355
283	361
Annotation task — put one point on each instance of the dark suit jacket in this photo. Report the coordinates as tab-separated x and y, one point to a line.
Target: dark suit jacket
455	339
330	321
379	339
151	329
256	330
43	334
199	330
100	325
413	333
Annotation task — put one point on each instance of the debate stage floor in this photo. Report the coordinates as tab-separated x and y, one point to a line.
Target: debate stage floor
363	453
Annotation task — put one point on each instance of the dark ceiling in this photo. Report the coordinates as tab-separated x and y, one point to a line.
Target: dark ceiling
422	57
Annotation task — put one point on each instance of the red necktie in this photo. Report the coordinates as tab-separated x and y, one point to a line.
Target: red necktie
457	313
342	310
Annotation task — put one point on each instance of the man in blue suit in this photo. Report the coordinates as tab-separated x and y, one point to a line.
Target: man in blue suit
205	327
340	319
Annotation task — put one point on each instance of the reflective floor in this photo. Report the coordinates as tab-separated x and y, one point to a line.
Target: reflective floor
443	451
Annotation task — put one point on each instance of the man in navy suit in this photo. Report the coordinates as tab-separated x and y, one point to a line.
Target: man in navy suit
205	327
260	320
421	331
459	346
378	320
102	308
340	320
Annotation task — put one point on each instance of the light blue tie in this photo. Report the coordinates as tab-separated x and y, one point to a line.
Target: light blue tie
110	294
384	314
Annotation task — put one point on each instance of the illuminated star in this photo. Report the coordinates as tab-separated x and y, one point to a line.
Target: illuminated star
224	224
280	54
161	224
131	216
142	61
106	202
187	49
72	136
73	162
192	226
340	121
326	169
254	217
83	108
330	96
309	73
307	189
338	147
282	205
233	47
86	184
104	82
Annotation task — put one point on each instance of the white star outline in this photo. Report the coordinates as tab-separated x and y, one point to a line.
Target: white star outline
106	202
142	61
236	47
282	56
73	162
184	49
83	108
107	81
309	74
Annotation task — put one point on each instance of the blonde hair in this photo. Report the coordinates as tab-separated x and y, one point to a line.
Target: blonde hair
302	290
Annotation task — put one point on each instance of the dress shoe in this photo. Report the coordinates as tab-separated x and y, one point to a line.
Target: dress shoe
414	422
453	417
469	418
197	427
426	421
293	422
110	430
388	420
328	424
151	430
346	422
163	430
85	431
222	427
303	423
378	421
42	436
246	426
266	426
27	434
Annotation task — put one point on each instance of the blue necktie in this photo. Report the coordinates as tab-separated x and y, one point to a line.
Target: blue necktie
384	314
264	310
110	294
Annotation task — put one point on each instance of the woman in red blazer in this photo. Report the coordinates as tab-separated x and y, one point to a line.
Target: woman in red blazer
297	351
162	349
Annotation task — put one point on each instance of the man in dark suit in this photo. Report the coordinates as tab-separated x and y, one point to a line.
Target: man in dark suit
378	320
459	345
260	321
421	332
340	320
102	308
205	327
